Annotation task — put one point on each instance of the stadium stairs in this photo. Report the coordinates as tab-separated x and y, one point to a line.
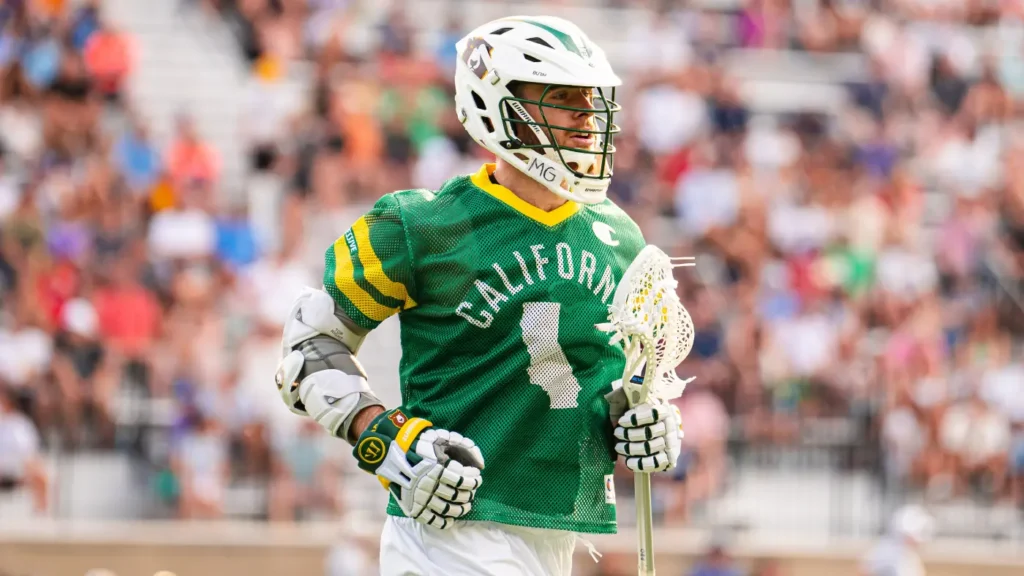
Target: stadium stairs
185	63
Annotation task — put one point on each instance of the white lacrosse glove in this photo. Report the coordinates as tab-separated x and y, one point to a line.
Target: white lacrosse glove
433	474
649	435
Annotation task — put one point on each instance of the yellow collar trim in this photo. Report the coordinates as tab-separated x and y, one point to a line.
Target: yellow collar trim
482	180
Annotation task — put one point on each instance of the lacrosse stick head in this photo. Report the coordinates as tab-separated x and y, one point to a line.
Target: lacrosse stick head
654	329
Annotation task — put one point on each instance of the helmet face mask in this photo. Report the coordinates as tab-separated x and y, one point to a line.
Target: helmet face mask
516	119
529	131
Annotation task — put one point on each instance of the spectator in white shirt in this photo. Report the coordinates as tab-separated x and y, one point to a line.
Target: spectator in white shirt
187	231
272	283
977	438
21	467
707	197
200	464
25	350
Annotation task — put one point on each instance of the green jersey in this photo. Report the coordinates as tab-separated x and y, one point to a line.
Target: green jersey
497	301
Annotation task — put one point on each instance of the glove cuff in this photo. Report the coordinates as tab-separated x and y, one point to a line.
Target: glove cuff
409	431
396	424
389	426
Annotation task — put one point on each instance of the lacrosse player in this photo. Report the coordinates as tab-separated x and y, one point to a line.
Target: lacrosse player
498	279
898	554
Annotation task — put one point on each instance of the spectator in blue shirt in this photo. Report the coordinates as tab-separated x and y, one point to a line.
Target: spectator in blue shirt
236	239
137	158
41	61
86	21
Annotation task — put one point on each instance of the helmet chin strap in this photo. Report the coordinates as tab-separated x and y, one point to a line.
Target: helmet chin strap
584	161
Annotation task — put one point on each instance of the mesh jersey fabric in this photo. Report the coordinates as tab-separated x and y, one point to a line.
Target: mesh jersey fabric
497	302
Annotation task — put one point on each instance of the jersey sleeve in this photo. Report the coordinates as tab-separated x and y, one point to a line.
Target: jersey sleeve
368	270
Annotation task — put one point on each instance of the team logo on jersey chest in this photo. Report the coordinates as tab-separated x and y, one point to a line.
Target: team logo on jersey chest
604	233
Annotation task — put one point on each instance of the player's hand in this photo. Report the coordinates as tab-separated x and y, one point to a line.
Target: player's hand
433	474
650	437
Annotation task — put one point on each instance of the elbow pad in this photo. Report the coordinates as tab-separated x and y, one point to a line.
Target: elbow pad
319	374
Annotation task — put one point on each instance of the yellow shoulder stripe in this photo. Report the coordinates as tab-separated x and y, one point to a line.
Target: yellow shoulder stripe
345	280
373	269
482	180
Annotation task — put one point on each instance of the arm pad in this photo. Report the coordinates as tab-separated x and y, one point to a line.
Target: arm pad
319	374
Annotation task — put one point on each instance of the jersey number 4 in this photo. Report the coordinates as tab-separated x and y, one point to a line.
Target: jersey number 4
549	367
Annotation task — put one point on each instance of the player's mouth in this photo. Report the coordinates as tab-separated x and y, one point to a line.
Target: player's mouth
582	140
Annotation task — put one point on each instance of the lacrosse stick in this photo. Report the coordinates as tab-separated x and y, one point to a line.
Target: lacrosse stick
656	333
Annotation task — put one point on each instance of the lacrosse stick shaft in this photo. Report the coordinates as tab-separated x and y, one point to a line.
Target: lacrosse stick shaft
644	524
642	480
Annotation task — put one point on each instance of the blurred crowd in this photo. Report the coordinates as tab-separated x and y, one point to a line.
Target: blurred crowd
869	261
859	266
133	293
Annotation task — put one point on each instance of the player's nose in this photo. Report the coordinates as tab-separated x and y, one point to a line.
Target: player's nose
586	110
584	119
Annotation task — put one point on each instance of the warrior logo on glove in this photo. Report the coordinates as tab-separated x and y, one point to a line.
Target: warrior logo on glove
371	450
433	474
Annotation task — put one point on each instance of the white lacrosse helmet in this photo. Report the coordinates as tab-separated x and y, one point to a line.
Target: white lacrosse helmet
545	50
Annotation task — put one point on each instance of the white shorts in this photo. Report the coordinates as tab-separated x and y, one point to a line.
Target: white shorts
410	548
